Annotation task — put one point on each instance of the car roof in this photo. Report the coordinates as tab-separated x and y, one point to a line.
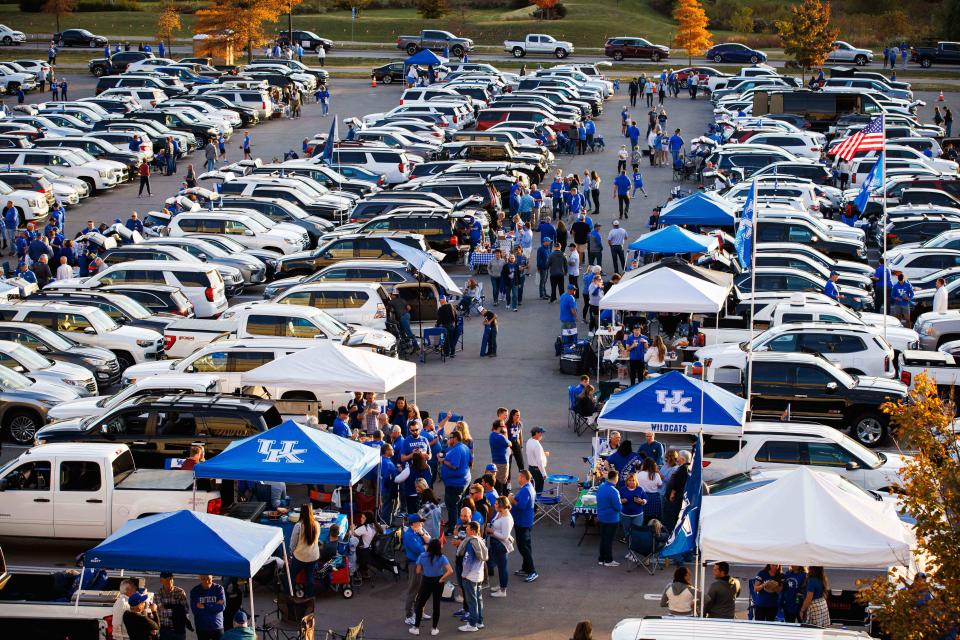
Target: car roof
829	327
164	265
310	286
372	264
189	400
51	306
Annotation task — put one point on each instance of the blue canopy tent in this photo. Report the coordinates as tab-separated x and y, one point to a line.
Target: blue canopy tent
674	403
294	453
701	208
204	543
673	240
427	58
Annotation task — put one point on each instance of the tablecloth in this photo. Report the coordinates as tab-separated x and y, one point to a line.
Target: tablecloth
287	527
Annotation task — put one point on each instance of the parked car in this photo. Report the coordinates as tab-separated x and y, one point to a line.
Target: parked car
24	404
389	73
78	38
735	52
622	47
10	36
61	348
39	368
846	52
436	40
358	303
537	43
307	39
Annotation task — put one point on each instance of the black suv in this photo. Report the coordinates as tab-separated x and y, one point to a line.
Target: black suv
307	39
809	388
117	63
774	230
78	38
156	298
160	427
439	229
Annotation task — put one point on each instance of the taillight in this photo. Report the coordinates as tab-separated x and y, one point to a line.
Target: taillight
208	292
906	377
168	342
401	100
143	147
41	190
263	105
400	167
454	119
706	463
214	506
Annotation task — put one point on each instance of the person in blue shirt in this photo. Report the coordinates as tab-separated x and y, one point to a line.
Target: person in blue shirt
651	448
162	50
208	601
814	605
24	273
568	308
609	508
766	600
576	204
415	442
547	231
591	130
11	220
622	457
633	132
414	540
58	216
581	139
246	146
633	498
417	470
543	266
638	185
676	147
792	588
621	191
556	193
522	508
388	488
434	569
882	285
830	288
455	473
340	426
901	299
134	223
635	344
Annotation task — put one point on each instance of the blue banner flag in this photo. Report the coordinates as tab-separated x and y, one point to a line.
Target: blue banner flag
332	138
683	540
871	184
744	239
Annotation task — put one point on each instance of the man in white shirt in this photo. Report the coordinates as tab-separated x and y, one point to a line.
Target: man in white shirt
536	458
64	271
940	301
573	266
122	604
616	239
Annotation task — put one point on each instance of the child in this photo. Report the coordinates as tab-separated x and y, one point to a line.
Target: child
638	185
488	344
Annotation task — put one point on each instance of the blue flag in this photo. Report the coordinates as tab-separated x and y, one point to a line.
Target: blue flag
872	183
332	138
744	239
683	540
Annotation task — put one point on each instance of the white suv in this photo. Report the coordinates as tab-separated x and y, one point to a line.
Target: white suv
779	445
244	229
855	349
29	205
98	174
363	303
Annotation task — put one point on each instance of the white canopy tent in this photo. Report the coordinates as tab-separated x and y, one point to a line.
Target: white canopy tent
802	519
648	292
331	368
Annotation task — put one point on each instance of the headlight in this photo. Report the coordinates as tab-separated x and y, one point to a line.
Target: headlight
34	203
95	362
145	343
290	241
76	383
104	173
928	331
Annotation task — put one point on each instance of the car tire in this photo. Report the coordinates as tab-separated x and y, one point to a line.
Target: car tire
869	429
926	63
99	72
22	425
7	40
560	53
387	79
860	61
718	58
684	83
618	55
655	57
411	49
124	360
754	59
518	52
457	50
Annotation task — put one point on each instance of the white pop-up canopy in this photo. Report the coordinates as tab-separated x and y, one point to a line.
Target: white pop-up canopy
666	291
804	519
330	368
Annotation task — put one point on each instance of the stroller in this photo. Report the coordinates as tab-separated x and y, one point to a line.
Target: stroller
384	555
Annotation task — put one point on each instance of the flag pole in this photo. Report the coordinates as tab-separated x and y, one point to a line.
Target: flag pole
754	220
883	205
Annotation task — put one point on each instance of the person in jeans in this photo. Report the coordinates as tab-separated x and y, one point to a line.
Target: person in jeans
434	569
474	553
488	343
523	502
495	269
208	600
455	473
608	514
143	170
414	539
543	267
557	268
536	458
500	545
305	548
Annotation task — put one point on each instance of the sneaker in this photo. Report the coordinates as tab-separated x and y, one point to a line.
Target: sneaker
494	589
414	631
612	563
460	612
435	631
480	625
533	576
502	593
410	621
467	627
600	562
427	616
519	572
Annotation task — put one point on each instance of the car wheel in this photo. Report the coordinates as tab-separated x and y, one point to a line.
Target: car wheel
387	79
560	53
124	360
754	59
860	60
99	72
926	63
684	83
22	425
7	40
618	55
518	52
411	49
718	58
655	57
869	429
457	51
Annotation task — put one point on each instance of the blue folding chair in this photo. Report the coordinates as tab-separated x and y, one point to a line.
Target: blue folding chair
434	341
549	505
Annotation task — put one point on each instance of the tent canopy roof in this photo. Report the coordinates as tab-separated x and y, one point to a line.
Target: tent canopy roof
674	239
203	543
292	452
688	293
700	208
427	57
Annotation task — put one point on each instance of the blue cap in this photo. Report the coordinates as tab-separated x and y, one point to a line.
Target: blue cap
833	273
137	597
240	617
490	467
414	518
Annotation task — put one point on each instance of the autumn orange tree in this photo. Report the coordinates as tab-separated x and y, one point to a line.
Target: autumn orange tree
168	22
59	8
546	8
808	35
238	22
930	492
692	33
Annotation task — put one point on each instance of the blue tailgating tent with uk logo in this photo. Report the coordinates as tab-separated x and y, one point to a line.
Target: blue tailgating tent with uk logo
293	453
671	403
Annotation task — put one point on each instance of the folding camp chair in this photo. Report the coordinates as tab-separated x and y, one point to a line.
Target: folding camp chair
653	510
574	419
644	549
434	341
549	504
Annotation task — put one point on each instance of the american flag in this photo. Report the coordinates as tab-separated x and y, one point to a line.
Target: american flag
870	138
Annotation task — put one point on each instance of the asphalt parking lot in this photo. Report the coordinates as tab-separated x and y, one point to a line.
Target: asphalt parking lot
525	375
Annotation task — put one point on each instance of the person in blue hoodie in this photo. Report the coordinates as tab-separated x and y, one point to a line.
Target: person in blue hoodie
414	540
455	473
608	514
340	426
543	265
557	189
208	600
10	222
388	488
793	588
522	509
591	130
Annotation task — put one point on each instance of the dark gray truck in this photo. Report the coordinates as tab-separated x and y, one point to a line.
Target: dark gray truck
437	41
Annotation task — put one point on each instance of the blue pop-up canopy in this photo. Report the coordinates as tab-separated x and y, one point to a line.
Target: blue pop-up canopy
673	240
671	403
701	208
425	57
188	542
293	453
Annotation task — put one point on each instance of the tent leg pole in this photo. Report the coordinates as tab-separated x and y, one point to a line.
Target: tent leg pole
350	515
76	605
703	590
378	497
415	389
253	616
286	566
193	501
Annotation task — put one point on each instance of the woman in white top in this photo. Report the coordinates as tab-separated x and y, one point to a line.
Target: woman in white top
656	355
500	545
679	595
649	477
305	548
365	533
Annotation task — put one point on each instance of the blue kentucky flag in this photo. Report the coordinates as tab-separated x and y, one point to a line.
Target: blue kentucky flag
331	140
684	537
744	239
872	183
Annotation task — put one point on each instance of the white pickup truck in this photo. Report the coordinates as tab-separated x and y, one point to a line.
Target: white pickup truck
88	491
270	320
538	43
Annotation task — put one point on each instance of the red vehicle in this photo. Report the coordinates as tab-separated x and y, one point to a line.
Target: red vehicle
629	47
702	74
494	116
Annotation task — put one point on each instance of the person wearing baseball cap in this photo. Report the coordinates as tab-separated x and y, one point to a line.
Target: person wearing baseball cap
414	540
173	607
830	289
241	628
617	240
140	621
568	309
536	457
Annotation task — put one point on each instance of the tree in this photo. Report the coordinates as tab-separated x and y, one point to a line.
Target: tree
930	492
807	35
59	8
742	20
238	22
546	8
168	22
692	33
432	9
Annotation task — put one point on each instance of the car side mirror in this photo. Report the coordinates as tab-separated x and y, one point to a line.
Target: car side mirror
761	349
42	348
191	369
19	369
248	232
814	239
121	320
831	387
90	331
852	466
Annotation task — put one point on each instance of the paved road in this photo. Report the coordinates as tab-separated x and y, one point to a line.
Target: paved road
525	375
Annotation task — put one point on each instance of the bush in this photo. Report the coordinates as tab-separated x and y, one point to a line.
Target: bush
106	5
432	9
31	6
556	12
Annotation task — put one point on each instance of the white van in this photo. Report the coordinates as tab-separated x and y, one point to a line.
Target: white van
685	628
363	303
200	282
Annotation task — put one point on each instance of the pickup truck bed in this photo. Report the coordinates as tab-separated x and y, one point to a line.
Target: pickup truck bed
940	366
156	480
183	337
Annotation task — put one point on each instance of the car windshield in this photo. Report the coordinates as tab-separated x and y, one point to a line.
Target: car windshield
330	325
212	249
736	483
228	244
100	321
55	340
132	308
10	379
253	224
869	457
29	359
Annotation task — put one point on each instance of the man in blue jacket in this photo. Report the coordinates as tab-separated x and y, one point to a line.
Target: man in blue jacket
524	501
543	265
340	426
608	514
633	132
208	600
415	540
11	220
455	473
389	490
568	308
556	193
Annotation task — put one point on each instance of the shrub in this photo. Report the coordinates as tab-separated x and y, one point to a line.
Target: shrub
31	6
106	5
556	12
432	9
